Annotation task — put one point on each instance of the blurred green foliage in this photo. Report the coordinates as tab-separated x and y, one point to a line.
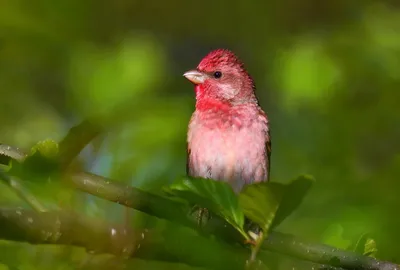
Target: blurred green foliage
326	74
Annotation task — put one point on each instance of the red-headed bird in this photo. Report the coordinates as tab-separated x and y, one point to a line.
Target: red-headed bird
228	136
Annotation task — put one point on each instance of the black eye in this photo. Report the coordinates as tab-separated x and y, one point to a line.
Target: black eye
217	74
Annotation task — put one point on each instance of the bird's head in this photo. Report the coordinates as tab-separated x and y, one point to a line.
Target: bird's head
221	78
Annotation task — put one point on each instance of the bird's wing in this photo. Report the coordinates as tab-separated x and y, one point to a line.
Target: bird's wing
267	147
188	159
268	151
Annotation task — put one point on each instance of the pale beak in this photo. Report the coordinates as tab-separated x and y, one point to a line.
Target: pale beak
195	76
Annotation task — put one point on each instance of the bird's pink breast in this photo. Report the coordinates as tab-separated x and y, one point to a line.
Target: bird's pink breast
229	146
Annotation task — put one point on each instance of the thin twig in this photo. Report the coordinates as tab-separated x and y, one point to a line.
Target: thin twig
77	138
12	153
22	192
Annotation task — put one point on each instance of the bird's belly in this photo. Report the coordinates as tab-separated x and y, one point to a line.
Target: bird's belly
236	156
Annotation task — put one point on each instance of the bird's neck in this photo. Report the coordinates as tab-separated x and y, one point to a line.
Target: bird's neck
225	115
211	104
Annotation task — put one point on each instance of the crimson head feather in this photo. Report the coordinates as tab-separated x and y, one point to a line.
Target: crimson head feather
222	76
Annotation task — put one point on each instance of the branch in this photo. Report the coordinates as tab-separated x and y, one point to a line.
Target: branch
324	254
6	154
57	227
64	228
76	139
167	209
132	197
72	144
278	242
170	245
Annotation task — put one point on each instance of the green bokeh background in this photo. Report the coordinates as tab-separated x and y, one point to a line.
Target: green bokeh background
327	74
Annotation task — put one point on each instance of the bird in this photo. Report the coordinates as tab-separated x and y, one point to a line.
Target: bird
228	136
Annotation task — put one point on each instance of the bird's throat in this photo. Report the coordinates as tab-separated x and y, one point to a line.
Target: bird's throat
208	104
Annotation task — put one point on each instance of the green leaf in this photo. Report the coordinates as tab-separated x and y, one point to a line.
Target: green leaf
214	195
47	148
40	164
260	202
370	248
366	245
293	196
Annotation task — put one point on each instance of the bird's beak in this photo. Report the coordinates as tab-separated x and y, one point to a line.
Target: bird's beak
195	76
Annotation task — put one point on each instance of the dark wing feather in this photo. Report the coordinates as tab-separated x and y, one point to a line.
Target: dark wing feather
268	152
188	160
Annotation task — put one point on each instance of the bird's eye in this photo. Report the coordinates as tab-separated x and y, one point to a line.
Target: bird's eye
217	74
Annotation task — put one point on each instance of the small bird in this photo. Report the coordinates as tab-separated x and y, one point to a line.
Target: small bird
228	135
